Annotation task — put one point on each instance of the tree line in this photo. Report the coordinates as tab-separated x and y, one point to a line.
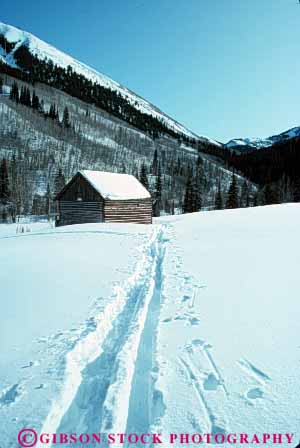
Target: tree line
23	96
275	170
13	191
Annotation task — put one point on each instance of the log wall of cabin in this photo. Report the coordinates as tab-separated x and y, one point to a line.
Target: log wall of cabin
132	210
72	212
80	188
80	203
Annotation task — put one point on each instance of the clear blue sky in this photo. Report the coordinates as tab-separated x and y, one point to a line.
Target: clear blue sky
224	68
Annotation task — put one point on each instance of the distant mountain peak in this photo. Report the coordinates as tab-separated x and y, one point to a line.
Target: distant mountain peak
257	143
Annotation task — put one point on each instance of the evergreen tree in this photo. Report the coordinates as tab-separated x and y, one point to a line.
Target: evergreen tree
53	112
245	195
154	166
200	175
15	189
25	98
232	196
188	203
144	177
196	195
48	203
255	200
22	96
271	194
14	92
66	118
158	193
248	199
42	108
199	161
35	102
59	182
4	183
219	199
296	190
172	211
123	168
158	185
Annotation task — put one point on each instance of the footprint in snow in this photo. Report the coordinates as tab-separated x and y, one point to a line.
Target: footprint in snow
30	364
10	395
189	349
42	340
194	422
253	371
58	335
217	429
198	342
211	382
194	321
168	319
254	393
41	386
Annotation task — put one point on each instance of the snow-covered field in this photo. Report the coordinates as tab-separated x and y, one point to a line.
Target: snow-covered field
187	326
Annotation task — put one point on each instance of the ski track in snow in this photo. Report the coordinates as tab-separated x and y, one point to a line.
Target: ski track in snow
198	349
253	371
112	366
214	425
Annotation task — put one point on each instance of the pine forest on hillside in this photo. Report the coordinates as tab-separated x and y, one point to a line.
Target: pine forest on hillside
46	136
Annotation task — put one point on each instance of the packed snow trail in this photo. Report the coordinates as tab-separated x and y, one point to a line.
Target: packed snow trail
102	398
145	404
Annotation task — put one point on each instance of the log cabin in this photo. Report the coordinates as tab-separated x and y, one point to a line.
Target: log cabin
98	196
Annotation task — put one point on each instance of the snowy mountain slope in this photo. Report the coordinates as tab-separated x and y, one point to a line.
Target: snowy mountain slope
181	328
99	141
257	143
45	51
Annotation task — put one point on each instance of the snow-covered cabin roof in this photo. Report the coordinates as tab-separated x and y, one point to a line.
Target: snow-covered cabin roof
115	186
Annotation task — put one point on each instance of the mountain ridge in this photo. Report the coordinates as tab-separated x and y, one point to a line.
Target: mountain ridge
18	38
14	38
259	143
